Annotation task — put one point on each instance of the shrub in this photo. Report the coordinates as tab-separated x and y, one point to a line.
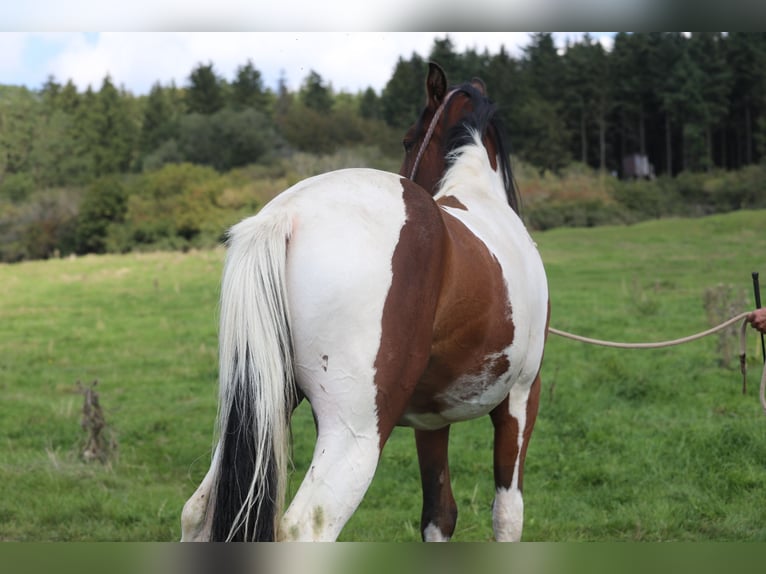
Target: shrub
104	203
39	228
17	186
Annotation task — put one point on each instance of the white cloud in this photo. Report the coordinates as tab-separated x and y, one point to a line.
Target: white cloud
350	61
136	60
11	52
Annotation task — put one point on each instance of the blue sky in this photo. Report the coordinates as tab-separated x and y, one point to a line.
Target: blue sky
135	60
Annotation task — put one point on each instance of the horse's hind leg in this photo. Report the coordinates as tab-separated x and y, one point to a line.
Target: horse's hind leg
196	520
340	472
513	420
437	522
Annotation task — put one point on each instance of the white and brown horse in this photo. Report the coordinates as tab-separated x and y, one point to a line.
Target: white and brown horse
384	300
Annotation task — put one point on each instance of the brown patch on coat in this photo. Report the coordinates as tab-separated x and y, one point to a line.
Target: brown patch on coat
439	506
410	306
506	448
451	201
472	324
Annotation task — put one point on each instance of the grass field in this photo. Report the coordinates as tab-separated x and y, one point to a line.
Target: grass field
629	445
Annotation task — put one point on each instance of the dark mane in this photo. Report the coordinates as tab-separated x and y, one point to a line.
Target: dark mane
483	118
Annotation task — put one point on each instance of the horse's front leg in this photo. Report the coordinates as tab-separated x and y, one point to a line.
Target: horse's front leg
439	514
513	420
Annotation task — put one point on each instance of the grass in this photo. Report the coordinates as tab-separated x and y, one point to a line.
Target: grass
629	445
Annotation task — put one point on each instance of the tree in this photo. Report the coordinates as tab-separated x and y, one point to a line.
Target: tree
543	67
242	137
746	57
113	134
707	50
443	53
205	90
19	113
505	86
227	139
50	93
54	153
581	88
247	89
369	105
404	94
632	83
545	142
315	95
104	203
159	123
678	91
68	99
544	130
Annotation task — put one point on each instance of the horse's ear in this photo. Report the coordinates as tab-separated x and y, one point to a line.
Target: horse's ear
436	85
479	84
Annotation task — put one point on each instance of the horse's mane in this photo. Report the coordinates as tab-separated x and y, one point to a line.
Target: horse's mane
483	118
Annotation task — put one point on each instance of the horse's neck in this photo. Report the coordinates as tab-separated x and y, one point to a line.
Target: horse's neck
472	180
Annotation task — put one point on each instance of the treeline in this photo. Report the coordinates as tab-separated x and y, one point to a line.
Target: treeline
105	170
58	136
689	103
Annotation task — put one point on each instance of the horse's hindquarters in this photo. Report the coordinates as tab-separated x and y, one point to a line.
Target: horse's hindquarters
357	287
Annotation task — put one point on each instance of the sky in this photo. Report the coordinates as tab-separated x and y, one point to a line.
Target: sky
135	60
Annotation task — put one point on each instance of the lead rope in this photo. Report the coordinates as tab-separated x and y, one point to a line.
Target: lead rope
742	317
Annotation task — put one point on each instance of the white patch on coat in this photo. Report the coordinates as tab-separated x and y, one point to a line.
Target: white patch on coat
433	533
346	225
508	514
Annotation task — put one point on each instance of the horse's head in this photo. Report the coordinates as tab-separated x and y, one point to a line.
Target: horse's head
451	116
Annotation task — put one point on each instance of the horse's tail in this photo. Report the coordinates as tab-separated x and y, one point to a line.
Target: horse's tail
257	388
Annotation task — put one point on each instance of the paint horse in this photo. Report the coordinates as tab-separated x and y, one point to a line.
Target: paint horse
383	300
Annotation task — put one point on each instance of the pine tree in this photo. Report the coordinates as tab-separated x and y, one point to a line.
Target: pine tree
707	51
443	53
632	85
369	105
68	99
247	89
545	134
113	134
205	90
404	94
746	56
50	92
315	94
505	86
159	123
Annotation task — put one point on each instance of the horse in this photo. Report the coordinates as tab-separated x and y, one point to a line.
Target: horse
415	299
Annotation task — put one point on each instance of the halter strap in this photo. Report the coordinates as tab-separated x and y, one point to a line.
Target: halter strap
430	131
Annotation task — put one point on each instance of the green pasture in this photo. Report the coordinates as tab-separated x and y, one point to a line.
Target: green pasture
630	445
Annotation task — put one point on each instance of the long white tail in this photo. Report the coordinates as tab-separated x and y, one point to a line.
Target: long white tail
257	388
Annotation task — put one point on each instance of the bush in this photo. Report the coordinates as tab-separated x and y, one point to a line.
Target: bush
104	203
170	208
645	199
166	153
41	227
17	186
588	213
227	139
